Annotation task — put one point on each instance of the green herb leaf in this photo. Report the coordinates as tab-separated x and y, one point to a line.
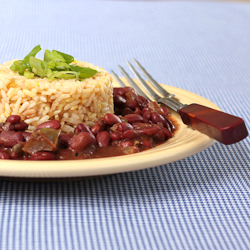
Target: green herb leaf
19	66
56	64
63	75
28	74
38	66
53	56
84	72
33	53
67	58
62	66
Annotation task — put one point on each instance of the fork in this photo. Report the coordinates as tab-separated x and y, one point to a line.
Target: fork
223	127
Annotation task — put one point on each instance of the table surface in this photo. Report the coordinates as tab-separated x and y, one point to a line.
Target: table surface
201	202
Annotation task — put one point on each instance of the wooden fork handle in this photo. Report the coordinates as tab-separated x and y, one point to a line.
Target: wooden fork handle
223	127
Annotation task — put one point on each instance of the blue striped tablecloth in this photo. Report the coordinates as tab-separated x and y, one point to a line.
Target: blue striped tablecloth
201	202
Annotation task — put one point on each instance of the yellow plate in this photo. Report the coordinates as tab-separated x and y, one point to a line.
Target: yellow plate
186	142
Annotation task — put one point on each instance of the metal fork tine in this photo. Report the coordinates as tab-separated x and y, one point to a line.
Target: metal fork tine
122	84
132	83
144	84
153	81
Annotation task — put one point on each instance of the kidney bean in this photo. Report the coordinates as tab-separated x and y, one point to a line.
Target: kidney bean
115	136
119	91
165	111
146	143
123	126
42	156
103	139
168	133
21	126
156	117
111	119
7	126
81	141
147	115
82	128
26	136
9	138
4	155
127	111
142	101
55	124
137	111
131	104
149	131
99	126
129	134
64	140
131	118
140	125
13	119
160	136
119	100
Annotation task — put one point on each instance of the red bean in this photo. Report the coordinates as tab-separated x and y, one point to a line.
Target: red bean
137	111
150	131
129	134
124	126
121	91
156	117
160	136
64	140
103	139
55	124
4	155
10	138
81	141
118	91
7	126
131	104
82	128
42	156
142	101
21	126
119	100
168	133
99	126
165	111
131	118
115	136
111	119
127	110
13	119
140	125
147	115
146	143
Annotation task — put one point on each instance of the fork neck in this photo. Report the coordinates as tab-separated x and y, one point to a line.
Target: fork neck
171	103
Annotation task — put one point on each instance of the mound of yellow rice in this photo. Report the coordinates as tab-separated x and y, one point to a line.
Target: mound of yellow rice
69	101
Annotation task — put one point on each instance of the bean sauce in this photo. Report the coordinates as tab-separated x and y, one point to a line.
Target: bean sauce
136	125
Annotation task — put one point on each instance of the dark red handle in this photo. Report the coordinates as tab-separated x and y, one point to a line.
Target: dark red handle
218	125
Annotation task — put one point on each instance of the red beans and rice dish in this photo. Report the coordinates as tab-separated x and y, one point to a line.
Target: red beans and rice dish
61	119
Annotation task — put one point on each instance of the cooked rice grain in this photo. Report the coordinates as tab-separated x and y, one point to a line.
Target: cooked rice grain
70	101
